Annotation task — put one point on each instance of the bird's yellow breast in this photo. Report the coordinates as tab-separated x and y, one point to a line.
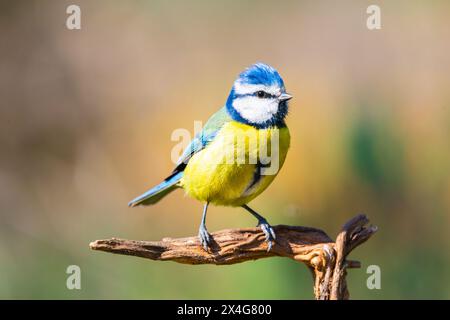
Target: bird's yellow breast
227	171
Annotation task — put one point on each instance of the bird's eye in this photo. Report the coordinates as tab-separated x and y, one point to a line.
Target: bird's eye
261	94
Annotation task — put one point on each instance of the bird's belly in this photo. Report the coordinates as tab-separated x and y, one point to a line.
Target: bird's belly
218	184
211	175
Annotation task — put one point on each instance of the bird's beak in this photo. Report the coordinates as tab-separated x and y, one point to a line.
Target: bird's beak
285	97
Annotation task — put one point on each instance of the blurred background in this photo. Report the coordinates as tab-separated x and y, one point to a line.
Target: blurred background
86	118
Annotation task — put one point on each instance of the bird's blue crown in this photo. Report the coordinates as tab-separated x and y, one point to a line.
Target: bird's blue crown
258	97
261	73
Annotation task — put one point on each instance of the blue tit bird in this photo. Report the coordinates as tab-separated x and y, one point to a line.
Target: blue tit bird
256	107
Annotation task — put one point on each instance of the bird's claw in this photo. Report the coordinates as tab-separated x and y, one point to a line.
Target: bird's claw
205	238
268	232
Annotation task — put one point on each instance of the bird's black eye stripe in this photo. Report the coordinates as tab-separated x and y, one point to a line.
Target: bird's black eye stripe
263	94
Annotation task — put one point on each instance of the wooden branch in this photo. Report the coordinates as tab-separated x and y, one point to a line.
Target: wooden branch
325	258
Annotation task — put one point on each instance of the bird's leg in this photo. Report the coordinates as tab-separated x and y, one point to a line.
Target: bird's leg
205	237
265	227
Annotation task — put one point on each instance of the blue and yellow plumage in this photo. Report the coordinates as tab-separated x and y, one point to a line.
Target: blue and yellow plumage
252	118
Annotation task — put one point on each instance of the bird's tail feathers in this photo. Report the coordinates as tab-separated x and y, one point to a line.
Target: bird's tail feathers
158	192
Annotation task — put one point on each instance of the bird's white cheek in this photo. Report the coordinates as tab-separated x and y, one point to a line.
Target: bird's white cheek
256	110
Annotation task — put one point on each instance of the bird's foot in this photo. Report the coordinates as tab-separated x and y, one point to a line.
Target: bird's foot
268	232
205	238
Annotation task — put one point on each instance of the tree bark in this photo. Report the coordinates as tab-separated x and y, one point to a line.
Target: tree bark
327	259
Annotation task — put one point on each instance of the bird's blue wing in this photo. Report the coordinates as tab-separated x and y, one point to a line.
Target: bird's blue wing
201	140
